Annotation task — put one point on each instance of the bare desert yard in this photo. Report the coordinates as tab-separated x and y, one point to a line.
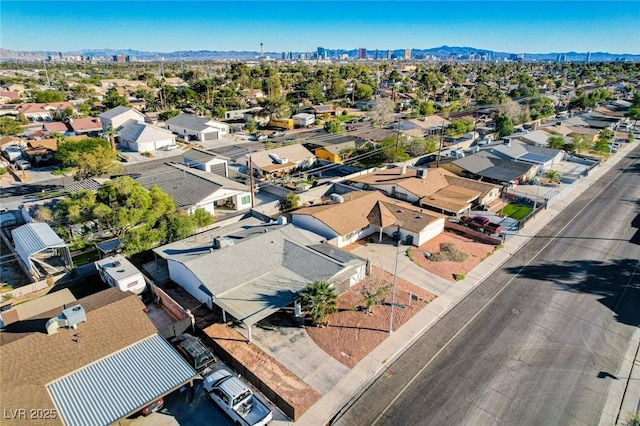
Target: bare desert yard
351	333
476	250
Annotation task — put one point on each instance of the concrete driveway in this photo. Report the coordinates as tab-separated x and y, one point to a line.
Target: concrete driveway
383	255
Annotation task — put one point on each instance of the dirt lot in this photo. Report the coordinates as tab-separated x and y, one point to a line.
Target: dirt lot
351	333
477	252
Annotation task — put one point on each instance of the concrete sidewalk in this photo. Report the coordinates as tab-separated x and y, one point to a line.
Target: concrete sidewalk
367	370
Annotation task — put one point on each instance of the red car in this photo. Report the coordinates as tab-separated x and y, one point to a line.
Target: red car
351	128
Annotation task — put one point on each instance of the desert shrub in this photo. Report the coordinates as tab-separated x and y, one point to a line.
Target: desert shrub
449	253
458	277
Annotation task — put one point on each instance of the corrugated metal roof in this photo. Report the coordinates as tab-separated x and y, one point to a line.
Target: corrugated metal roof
122	383
32	238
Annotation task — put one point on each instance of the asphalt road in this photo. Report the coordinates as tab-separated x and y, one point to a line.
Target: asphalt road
539	341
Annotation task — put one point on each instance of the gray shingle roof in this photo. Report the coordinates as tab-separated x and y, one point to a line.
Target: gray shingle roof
199	156
142	132
114	112
491	167
188	121
185	187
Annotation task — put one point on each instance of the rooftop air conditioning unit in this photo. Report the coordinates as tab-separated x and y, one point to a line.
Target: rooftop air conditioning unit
336	198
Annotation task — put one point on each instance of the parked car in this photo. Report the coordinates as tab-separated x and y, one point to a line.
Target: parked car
351	128
169	147
277	134
290	139
236	399
153	407
23	165
261	138
195	352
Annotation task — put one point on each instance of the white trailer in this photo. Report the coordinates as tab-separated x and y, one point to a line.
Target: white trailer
117	271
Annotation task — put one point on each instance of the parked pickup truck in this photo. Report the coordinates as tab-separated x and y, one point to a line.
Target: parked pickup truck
236	399
481	224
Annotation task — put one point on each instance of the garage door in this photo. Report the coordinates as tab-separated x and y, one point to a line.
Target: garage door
210	136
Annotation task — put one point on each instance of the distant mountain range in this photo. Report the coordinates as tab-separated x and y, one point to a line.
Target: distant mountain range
442	52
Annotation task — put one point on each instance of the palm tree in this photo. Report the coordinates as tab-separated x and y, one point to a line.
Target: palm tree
319	300
111	134
553	175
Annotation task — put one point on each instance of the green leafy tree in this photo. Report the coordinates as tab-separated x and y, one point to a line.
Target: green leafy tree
631	137
459	127
140	239
22	119
9	126
504	125
426	108
48	96
167	115
555	142
202	218
363	91
251	127
112	99
319	300
68	148
99	162
175	227
333	126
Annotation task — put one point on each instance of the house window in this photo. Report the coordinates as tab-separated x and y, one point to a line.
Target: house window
246	199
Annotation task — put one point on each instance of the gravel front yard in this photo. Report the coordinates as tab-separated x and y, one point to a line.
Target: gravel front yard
352	333
476	250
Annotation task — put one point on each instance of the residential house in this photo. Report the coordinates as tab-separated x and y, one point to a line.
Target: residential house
487	167
256	114
516	150
538	138
207	161
435	189
42	111
279	160
431	125
142	137
334	153
41	152
192	189
56	127
96	361
250	269
195	128
118	116
90	126
7	96
346	218
319	111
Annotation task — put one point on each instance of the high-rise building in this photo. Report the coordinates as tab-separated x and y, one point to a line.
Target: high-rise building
375	55
118	58
322	53
588	56
407	54
389	55
362	53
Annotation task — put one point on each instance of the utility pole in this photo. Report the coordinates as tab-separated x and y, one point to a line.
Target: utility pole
441	143
253	202
395	153
395	279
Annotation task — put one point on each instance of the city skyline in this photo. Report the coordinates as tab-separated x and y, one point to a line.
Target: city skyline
525	26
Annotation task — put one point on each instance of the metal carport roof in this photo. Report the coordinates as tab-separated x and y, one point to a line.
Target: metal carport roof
33	238
120	384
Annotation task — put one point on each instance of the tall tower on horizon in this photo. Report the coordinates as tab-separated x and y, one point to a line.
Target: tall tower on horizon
261	49
362	53
588	56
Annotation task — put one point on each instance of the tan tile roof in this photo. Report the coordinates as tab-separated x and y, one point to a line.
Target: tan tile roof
440	188
31	358
361	208
293	153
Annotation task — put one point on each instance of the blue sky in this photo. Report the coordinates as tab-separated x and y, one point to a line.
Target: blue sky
166	26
